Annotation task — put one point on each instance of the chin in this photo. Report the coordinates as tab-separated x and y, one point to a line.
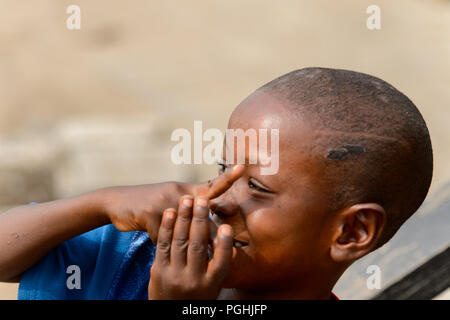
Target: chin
231	280
239	275
236	279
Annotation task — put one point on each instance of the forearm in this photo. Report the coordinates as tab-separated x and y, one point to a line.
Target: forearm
28	232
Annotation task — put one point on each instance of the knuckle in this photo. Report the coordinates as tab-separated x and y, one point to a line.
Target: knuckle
192	284
146	211
165	227
163	246
175	285
184	218
181	243
210	278
154	271
197	246
199	219
203	189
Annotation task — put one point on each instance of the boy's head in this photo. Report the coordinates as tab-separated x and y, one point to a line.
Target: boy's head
355	161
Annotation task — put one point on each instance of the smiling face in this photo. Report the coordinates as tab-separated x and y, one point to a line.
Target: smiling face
281	219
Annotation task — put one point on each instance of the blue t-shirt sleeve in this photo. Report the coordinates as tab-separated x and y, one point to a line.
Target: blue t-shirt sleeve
96	255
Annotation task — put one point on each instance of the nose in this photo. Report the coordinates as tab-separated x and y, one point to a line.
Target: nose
225	206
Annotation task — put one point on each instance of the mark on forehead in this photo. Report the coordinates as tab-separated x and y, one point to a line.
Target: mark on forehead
345	150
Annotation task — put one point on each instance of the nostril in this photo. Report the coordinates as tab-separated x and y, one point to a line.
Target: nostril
224	209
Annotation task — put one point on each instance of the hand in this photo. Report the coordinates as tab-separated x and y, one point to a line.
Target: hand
140	208
181	269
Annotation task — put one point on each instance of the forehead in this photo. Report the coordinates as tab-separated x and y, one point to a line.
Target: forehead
262	111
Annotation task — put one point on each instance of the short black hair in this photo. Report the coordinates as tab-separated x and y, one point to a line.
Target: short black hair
375	143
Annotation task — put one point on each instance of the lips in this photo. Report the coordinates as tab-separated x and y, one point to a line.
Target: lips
237	243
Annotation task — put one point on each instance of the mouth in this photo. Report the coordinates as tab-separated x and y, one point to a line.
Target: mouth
236	244
213	232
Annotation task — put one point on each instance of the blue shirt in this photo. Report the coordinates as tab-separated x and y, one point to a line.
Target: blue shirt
112	265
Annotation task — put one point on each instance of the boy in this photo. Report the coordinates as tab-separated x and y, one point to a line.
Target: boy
355	161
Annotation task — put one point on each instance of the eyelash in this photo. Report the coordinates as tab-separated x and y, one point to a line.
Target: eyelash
222	166
251	185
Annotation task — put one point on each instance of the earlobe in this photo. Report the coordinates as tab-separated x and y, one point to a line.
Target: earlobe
358	230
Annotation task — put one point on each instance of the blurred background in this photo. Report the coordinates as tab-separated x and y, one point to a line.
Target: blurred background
82	109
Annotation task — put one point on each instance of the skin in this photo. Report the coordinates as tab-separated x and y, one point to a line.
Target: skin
297	248
28	232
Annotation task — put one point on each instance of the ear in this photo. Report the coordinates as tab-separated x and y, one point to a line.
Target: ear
357	231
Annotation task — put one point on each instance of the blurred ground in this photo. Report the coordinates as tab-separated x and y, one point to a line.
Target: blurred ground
95	107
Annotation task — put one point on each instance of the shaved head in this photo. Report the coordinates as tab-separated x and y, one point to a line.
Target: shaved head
371	138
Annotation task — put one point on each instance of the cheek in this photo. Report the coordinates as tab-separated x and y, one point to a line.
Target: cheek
281	247
284	233
275	234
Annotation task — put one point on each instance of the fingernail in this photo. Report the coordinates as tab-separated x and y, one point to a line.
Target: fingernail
187	202
170	214
226	231
202	202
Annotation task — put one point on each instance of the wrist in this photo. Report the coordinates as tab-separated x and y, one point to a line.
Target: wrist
176	190
182	188
98	202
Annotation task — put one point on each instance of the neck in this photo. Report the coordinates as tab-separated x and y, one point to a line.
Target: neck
314	287
300	293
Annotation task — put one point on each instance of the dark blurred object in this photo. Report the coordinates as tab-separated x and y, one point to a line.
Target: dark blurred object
424	283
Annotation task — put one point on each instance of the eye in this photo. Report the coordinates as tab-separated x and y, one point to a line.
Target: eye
252	184
222	167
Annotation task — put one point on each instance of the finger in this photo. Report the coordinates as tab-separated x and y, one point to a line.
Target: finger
220	264
224	181
199	236
165	237
212	229
180	239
